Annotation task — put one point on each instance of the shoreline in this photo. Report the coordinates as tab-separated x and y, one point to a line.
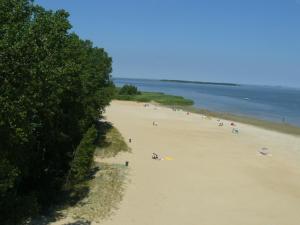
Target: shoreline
278	116
285	128
201	82
186	104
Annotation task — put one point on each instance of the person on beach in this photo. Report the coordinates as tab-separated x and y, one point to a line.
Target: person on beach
129	140
154	156
235	130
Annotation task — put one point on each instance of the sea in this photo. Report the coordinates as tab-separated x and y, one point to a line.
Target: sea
277	104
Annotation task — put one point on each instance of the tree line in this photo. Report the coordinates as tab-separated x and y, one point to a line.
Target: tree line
54	86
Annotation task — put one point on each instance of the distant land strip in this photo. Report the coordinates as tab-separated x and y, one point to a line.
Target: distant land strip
201	82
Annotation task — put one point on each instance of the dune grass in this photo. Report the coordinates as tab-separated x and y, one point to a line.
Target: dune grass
112	144
106	191
158	97
96	198
107	186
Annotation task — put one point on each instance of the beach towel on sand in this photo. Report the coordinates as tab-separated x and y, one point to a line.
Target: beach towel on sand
168	158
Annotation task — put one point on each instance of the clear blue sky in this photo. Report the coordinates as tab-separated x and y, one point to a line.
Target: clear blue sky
242	41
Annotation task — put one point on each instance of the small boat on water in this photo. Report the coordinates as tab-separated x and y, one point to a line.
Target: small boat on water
246	98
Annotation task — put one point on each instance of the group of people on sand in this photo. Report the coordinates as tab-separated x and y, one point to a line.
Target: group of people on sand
234	129
220	124
155	156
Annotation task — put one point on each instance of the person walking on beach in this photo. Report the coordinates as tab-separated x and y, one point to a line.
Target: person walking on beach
129	140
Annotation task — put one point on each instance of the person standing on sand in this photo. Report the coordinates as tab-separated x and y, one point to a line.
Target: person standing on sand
129	140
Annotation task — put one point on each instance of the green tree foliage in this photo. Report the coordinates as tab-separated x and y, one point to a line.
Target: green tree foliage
83	157
53	87
129	90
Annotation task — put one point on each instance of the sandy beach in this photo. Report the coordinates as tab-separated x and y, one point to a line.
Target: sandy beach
215	178
209	176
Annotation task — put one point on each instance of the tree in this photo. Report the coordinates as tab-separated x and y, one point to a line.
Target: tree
129	90
53	87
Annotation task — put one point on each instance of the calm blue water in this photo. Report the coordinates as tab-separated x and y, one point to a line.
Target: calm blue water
269	103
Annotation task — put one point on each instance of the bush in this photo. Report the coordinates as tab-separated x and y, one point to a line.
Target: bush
129	90
83	157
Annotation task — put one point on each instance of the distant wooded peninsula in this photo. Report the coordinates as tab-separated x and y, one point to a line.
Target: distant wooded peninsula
201	82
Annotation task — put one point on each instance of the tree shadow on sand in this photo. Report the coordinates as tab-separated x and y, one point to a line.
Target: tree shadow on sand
74	195
47	220
71	196
103	128
66	198
79	222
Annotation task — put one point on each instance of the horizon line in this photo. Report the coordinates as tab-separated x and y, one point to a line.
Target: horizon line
237	84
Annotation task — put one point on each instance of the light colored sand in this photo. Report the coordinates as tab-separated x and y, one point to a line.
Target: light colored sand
216	177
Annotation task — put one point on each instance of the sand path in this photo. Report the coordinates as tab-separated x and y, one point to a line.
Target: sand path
216	177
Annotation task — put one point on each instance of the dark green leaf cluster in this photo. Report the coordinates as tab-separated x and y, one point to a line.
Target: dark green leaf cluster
83	157
53	87
128	89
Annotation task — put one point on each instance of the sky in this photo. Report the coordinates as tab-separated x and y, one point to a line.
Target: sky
239	41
